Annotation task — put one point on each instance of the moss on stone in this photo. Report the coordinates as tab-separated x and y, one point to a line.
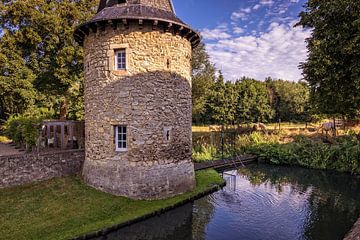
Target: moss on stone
66	208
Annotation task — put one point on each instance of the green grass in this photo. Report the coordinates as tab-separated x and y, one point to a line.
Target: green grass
65	208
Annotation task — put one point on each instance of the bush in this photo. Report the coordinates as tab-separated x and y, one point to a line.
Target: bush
211	152
204	153
24	129
343	155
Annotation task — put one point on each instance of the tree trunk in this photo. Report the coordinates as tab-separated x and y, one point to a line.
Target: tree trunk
63	109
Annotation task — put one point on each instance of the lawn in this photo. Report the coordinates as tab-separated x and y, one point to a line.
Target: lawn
65	208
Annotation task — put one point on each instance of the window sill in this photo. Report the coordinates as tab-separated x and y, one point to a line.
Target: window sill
119	72
121	150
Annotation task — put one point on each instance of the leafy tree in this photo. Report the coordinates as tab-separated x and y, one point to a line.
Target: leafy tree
230	103
39	52
16	80
253	103
290	100
333	66
203	78
215	109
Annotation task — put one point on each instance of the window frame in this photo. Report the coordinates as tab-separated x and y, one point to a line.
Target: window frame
123	58
117	140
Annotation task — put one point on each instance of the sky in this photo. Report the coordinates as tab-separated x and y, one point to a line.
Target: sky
252	38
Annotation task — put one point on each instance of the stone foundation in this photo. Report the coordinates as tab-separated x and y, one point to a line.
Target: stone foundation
158	181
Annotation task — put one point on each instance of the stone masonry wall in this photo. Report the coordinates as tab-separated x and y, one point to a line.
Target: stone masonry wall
161	4
153	95
27	168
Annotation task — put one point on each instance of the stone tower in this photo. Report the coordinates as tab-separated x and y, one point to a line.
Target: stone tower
138	99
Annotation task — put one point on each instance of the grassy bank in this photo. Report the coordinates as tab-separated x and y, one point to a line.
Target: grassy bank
65	208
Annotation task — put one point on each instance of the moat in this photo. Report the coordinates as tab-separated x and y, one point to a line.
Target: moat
262	202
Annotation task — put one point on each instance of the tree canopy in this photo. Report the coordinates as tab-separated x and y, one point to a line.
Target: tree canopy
203	79
41	63
290	100
333	66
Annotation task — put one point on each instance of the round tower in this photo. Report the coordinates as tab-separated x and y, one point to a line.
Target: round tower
138	99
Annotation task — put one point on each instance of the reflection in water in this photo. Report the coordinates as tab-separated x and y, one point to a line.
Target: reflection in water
175	225
262	202
271	202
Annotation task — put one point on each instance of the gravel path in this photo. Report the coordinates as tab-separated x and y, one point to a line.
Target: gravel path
6	150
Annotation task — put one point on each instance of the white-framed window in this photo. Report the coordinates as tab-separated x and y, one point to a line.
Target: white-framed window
120	59
121	138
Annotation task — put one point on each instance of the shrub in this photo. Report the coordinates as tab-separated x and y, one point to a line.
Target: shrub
24	129
211	152
343	155
204	153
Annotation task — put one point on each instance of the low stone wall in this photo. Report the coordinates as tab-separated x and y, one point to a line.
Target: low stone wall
27	168
355	232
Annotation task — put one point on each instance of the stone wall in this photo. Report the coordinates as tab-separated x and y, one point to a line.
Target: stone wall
27	168
161	4
152	95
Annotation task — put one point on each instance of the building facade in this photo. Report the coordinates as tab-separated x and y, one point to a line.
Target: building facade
138	99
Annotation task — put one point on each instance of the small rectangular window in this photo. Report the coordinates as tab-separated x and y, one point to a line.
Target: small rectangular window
120	59
121	138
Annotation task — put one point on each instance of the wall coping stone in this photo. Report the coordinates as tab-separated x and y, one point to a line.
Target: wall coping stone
42	154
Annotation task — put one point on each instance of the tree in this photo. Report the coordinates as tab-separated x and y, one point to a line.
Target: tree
333	66
253	103
38	35
16	81
290	100
215	110
203	78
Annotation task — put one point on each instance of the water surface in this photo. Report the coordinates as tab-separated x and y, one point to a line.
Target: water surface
262	202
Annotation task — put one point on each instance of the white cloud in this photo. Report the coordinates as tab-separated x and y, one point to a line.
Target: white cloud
220	32
266	2
246	10
276	53
241	14
294	1
238	30
257	6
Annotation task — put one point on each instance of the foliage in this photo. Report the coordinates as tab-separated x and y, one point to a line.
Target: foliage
212	153
253	103
4	139
204	153
249	101
290	100
24	128
41	63
221	102
343	155
333	66
65	208
203	78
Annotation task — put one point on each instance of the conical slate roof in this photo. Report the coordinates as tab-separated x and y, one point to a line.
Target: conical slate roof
119	13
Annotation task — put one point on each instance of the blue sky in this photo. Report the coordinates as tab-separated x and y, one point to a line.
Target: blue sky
253	38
